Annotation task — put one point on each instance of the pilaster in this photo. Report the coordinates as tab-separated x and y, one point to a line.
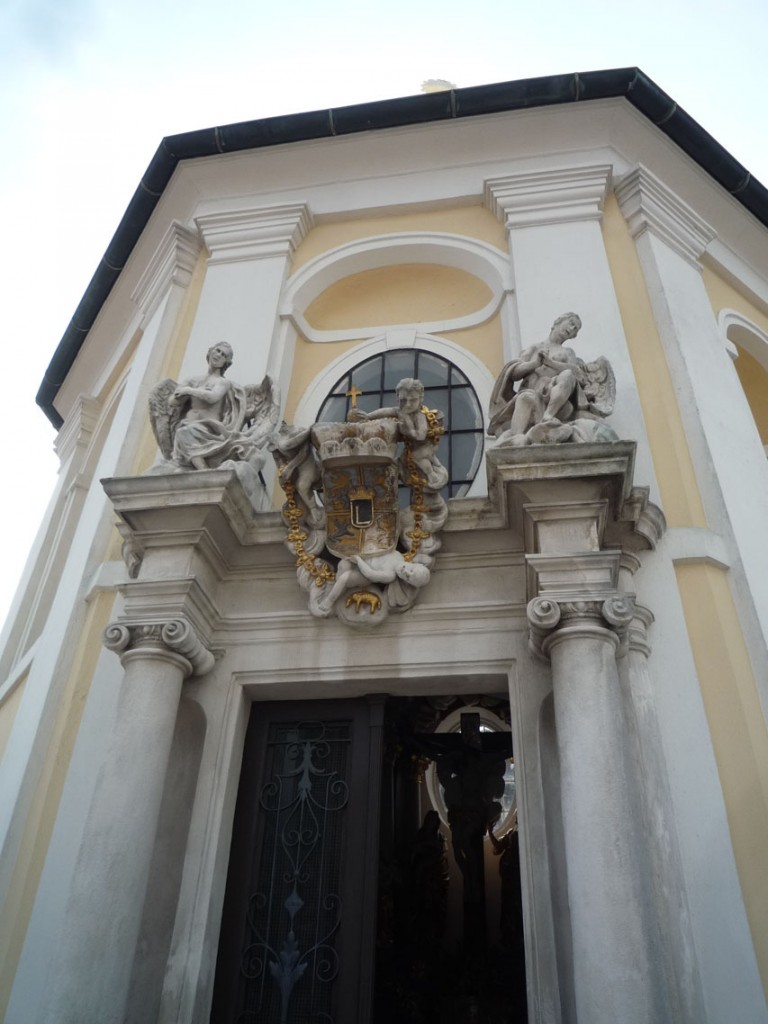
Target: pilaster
553	221
648	205
549	197
249	258
259	233
172	264
719	427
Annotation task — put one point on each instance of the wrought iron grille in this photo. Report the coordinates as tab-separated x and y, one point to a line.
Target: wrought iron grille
290	960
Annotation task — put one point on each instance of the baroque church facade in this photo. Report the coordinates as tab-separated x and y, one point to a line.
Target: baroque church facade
509	762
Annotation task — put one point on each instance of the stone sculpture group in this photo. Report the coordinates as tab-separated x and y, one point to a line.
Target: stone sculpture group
357	554
547	395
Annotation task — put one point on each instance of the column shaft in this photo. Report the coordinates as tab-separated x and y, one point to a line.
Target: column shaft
612	975
88	979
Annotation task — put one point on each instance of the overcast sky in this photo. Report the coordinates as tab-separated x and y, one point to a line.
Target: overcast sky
89	87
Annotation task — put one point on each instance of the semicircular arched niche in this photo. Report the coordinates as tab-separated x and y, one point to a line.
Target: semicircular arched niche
433	281
407	293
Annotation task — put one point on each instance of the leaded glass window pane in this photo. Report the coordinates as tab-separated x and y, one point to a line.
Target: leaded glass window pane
445	388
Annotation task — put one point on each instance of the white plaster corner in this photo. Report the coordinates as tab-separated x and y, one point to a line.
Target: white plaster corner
172	263
78	427
649	205
690	544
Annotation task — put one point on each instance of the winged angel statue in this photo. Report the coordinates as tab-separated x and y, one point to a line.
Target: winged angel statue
558	396
209	422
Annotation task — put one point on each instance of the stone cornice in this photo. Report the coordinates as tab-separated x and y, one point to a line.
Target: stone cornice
253	234
649	205
78	428
175	638
172	263
549	197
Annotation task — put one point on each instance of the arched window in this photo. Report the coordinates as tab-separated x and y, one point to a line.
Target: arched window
372	383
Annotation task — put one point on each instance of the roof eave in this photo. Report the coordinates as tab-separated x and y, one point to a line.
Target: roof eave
629	83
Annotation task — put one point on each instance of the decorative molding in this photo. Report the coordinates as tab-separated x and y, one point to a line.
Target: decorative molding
586	575
78	427
549	197
176	636
481	260
254	234
640	524
637	634
131	550
746	335
172	263
649	205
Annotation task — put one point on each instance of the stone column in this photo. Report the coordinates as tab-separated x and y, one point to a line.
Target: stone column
613	974
673	943
89	977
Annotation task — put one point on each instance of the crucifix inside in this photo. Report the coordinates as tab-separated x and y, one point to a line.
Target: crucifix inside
450	936
470	765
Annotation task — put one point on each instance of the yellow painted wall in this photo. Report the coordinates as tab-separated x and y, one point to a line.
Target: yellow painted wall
723	295
728	685
398	294
8	710
738	731
15	914
474	221
671	455
408	294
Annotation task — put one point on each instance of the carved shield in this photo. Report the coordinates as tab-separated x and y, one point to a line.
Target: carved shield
361	507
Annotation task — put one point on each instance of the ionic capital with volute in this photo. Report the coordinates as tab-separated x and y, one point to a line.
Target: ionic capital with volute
552	621
175	640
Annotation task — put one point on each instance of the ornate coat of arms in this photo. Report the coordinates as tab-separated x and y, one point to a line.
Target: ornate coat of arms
359	555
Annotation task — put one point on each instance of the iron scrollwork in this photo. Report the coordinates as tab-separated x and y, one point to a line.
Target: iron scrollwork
293	944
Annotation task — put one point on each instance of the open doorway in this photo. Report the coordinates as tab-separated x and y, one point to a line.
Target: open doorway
449	943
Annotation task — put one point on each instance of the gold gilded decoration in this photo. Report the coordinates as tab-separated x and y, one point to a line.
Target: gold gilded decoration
353	393
435	428
364	597
361	508
342	485
415	480
319	570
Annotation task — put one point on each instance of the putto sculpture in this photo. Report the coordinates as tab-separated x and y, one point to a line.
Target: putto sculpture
548	395
209	422
358	555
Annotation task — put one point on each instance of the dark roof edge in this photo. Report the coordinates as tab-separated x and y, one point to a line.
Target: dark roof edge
629	83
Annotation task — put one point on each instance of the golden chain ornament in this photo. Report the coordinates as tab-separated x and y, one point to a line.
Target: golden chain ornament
319	570
415	481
